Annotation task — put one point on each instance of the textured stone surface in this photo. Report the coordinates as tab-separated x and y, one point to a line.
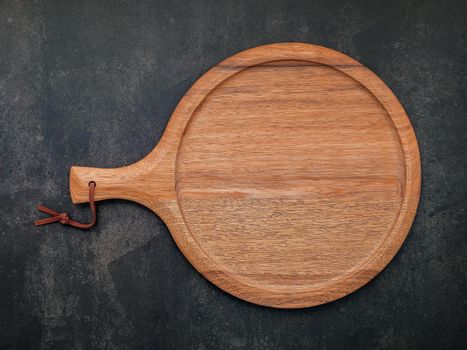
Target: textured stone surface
95	82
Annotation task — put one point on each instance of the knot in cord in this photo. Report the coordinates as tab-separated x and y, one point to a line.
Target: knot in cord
64	218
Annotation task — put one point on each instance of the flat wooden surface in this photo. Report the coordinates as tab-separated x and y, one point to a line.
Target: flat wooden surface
288	175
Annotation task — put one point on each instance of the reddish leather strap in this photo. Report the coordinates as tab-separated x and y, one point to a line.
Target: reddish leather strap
64	218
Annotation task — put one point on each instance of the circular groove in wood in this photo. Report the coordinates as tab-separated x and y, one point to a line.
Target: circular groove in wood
205	234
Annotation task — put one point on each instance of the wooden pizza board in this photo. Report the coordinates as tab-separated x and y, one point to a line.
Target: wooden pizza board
288	175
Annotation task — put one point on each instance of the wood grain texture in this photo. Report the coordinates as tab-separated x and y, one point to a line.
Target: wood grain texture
288	175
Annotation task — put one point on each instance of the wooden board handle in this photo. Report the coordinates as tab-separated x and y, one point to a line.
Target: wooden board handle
110	183
144	182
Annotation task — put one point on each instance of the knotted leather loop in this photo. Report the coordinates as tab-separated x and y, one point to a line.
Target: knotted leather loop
64	218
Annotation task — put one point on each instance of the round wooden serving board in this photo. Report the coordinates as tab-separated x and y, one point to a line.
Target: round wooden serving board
288	175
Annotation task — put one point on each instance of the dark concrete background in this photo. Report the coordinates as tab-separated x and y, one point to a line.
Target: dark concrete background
95	82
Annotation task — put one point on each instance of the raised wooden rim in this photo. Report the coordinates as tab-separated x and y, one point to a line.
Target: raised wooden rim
351	282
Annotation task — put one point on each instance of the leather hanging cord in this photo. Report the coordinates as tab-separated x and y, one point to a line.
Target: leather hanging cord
64	218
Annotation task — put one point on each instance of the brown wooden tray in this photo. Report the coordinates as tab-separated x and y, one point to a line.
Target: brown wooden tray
288	175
